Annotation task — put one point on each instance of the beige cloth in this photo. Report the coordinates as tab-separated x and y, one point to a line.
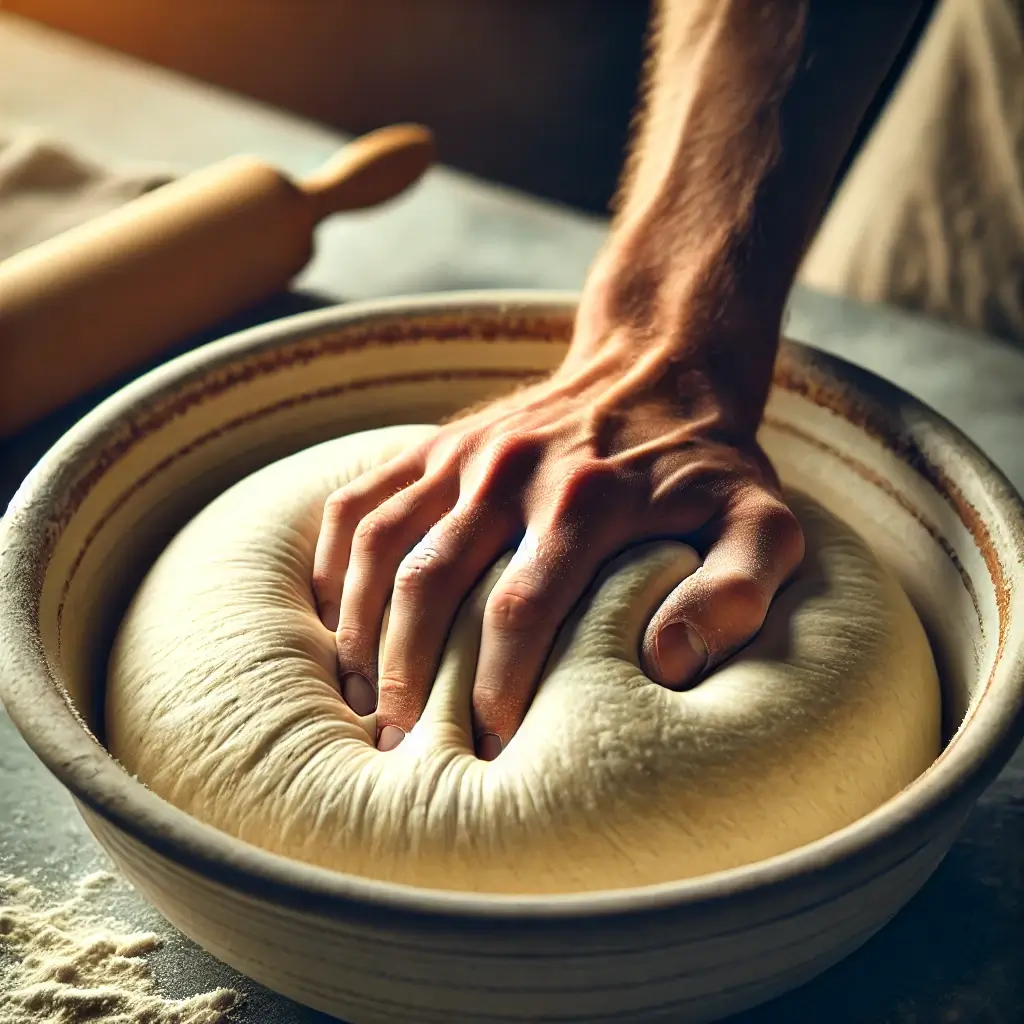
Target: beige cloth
47	188
931	216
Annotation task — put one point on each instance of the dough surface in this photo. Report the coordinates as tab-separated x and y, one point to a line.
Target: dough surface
223	699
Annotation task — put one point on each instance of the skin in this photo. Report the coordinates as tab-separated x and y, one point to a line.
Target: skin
648	428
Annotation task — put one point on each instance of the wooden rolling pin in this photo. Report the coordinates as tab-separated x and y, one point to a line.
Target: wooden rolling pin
96	301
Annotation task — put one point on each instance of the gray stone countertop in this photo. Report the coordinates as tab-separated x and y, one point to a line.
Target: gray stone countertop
956	952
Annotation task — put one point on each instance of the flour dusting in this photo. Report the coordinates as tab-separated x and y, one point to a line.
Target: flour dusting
67	964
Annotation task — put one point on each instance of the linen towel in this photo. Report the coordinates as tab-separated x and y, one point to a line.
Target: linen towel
47	187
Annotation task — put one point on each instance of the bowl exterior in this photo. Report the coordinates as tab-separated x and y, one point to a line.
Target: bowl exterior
689	965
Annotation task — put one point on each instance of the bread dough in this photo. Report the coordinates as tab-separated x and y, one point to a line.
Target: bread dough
223	698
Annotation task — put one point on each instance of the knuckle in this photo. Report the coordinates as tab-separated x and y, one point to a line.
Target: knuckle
338	507
485	696
779	537
745	598
372	535
513	608
419	571
584	486
506	457
400	700
391	688
453	455
785	531
348	639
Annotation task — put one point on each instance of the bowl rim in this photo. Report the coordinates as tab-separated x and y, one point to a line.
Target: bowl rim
61	741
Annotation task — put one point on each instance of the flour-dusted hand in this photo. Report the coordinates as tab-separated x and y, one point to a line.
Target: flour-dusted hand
648	429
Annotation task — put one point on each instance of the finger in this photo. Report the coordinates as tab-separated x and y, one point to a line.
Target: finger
379	543
590	517
343	511
755	547
430	585
549	572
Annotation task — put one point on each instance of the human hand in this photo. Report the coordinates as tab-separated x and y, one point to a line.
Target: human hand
617	447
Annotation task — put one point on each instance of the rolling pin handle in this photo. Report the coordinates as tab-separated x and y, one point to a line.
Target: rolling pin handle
371	169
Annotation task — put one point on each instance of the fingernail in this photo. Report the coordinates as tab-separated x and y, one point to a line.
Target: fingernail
488	746
389	738
358	693
680	653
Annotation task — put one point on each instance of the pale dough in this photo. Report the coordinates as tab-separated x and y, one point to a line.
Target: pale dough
223	699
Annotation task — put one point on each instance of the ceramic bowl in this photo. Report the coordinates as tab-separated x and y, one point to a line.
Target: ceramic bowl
98	508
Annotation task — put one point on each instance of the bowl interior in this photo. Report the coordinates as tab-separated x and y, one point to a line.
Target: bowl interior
143	463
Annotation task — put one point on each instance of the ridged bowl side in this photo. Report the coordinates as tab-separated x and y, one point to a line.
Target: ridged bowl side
693	964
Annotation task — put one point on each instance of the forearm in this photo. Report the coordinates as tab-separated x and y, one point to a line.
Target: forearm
749	108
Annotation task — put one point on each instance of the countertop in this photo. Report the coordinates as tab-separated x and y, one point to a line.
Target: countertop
955	953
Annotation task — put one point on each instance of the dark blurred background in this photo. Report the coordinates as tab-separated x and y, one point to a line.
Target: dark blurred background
533	93
537	94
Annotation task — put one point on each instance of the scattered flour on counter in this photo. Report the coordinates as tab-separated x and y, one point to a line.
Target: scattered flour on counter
68	964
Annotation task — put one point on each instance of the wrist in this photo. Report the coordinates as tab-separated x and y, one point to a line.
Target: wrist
646	283
692	314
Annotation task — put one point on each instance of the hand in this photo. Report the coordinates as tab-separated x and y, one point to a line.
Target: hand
611	450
